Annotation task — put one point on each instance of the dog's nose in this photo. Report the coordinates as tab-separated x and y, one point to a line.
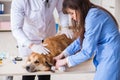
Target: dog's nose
27	67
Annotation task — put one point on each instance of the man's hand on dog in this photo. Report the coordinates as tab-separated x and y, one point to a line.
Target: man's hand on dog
40	49
65	30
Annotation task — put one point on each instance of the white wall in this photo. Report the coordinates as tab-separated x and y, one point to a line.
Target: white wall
117	11
111	5
98	2
107	4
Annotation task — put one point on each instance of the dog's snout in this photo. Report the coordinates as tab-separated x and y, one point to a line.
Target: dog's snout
30	68
27	67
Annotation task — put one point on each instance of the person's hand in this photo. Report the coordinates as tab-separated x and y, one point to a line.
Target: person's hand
68	32
60	63
40	49
60	56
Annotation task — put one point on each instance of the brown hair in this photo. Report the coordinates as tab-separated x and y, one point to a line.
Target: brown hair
81	8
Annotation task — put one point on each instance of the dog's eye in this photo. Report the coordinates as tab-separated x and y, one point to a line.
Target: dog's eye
36	62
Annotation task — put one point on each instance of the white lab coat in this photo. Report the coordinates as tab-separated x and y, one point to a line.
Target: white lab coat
32	22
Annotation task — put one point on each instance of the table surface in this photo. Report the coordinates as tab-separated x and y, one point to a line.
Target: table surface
9	68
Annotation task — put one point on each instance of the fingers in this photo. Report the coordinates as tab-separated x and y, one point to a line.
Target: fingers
46	51
70	35
59	63
56	58
41	49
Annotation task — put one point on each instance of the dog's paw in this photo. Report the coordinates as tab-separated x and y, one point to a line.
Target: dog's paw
61	69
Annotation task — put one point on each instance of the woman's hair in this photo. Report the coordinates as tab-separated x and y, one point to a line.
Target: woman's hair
81	8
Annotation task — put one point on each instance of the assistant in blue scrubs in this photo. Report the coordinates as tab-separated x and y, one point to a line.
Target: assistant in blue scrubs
99	37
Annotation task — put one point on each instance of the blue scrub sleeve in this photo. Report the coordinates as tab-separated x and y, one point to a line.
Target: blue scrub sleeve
74	47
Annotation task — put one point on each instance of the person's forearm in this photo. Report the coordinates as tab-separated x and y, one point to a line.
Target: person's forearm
73	47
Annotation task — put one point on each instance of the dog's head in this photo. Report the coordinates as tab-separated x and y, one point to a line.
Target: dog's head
38	62
42	62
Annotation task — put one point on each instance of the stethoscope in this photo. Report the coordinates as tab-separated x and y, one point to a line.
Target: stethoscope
47	3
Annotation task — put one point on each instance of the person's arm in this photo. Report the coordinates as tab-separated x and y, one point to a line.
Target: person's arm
73	48
64	20
92	32
17	21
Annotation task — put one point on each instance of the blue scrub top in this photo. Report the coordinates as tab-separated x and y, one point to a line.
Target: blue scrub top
102	38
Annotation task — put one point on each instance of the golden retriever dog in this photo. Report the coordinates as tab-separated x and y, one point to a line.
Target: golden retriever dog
41	62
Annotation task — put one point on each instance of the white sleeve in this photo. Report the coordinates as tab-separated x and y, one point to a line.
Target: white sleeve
17	21
64	20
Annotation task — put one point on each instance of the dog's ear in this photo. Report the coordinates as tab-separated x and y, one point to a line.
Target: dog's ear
42	59
49	61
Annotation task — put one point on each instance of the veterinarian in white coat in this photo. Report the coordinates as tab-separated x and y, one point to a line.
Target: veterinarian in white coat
32	21
100	38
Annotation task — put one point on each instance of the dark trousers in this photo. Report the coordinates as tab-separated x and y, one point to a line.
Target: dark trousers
40	77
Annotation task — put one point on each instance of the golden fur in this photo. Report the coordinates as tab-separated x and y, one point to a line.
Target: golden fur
42	62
